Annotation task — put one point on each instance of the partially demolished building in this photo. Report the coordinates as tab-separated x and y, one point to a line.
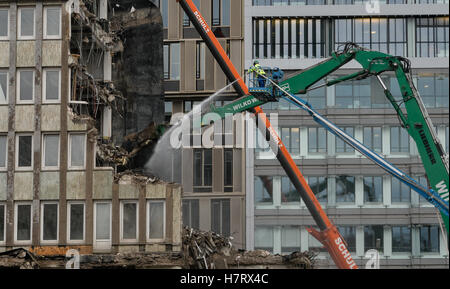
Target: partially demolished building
64	110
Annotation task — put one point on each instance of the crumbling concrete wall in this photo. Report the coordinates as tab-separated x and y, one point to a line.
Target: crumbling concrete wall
138	70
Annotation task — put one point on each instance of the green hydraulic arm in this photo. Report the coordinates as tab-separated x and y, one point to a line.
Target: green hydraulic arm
409	108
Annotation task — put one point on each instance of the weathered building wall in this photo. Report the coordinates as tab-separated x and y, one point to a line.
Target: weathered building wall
138	70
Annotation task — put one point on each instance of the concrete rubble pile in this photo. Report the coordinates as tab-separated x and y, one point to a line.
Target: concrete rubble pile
208	250
19	259
131	146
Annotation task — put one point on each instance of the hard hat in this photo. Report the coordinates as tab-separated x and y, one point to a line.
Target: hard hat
256	62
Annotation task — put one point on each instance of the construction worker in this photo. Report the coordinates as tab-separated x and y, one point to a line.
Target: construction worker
257	70
277	76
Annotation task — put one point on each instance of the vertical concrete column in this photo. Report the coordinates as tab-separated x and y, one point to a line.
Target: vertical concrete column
303	142
276	191
304	235
386	140
277	239
205	214
65	19
103	9
411	36
415	199
249	191
331	144
107	66
90	148
331	92
331	187
37	124
11	125
360	241
359	135
115	217
142	217
169	214
387	191
359	191
387	241
217	180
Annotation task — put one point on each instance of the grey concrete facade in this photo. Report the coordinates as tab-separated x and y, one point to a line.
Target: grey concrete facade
191	86
274	220
70	181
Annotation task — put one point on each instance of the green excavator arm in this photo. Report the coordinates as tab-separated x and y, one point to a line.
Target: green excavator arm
416	119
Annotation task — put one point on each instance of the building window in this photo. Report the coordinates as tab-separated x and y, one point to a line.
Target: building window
25	88
220	217
401	239
429	239
102	221
129	220
373	189
168	110
317	140
373	138
77	149
264	238
349	235
50	151
51	83
3	87
432	37
186	21
433	90
289	38
191	212
345	189
263	189
156	220
400	193
3	151
200	64
2	222
316	97
165	13
373	238
26	23
291	139
171	54
220	12
341	146
290	239
202	170
314	244
23	222
319	186
52	22
288	192
228	170
386	35
399	140
76	221
4	23
24	151
49	222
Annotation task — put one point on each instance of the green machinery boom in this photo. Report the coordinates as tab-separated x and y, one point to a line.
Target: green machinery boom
409	108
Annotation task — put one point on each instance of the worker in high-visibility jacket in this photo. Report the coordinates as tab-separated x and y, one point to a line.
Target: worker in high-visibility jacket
259	72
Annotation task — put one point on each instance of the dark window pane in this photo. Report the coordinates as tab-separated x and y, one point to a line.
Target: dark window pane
50	224
129	225
23	222
429	239
76	222
345	189
401	239
25	144
373	238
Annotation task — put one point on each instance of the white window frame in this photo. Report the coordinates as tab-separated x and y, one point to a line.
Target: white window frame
7	23
95	221
30	168
7	87
70	151
4	223
19	25
18	100
23	242
2	169
42	223
69	207
122	203
44	86
148	220
44	167
45	23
